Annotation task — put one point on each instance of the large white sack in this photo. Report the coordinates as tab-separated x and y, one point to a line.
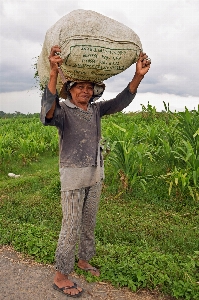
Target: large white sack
93	47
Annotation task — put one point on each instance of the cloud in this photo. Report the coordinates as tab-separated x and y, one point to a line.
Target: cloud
29	101
27	20
168	30
17	69
174	102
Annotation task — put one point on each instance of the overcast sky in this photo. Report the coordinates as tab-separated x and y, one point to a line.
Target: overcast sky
168	30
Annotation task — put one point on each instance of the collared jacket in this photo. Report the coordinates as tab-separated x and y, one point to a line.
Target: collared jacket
80	132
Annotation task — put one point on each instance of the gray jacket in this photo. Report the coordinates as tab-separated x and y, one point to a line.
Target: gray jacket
79	130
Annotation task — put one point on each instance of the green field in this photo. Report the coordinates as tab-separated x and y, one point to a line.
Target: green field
147	233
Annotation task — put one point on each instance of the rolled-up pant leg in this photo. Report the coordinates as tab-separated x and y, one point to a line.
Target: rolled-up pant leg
72	204
89	212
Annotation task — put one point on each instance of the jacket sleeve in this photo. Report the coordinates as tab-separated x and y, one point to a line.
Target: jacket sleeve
46	103
117	104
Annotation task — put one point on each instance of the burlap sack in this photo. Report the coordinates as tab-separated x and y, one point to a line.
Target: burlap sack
93	47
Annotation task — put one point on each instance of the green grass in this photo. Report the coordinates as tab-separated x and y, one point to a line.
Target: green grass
143	240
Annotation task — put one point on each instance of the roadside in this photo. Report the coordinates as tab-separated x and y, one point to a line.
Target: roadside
24	279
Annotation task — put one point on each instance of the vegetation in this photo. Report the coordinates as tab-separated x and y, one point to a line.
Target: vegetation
147	225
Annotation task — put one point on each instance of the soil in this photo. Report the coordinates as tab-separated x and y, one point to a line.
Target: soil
24	279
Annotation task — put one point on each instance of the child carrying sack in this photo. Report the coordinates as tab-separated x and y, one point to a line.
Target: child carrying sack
93	47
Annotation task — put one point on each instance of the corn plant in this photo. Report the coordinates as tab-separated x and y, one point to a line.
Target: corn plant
188	151
23	139
127	158
188	126
183	152
182	181
166	147
190	158
186	175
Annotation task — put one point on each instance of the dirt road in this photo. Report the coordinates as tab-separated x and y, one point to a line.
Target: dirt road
23	279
